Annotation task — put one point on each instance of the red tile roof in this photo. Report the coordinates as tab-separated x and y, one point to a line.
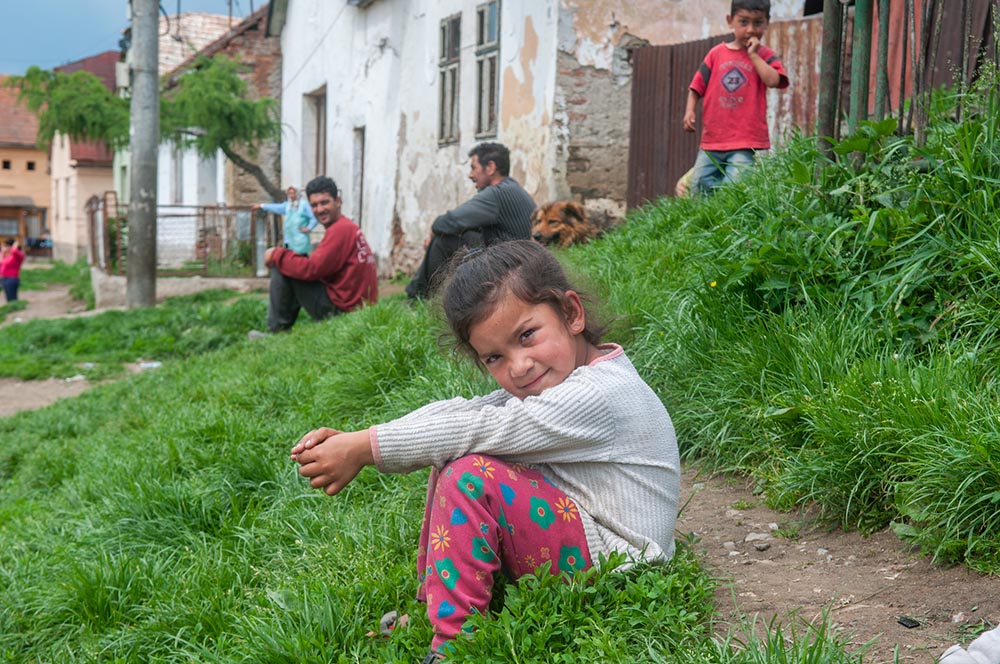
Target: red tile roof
184	34
101	65
256	19
91	152
20	126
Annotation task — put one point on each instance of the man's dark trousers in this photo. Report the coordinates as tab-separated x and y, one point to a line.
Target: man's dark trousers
288	296
439	252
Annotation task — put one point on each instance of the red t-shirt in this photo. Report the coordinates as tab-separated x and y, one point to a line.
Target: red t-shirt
343	261
734	99
10	266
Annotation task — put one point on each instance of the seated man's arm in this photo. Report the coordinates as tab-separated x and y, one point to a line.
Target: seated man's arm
325	262
479	211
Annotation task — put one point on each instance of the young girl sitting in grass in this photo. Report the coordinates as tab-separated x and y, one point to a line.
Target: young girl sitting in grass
573	457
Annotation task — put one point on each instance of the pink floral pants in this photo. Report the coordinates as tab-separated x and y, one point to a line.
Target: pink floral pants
484	516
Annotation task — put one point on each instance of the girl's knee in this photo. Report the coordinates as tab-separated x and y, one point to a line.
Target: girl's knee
480	464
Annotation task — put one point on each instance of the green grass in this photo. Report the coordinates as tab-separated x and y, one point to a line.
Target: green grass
828	329
77	276
162	521
8	308
98	346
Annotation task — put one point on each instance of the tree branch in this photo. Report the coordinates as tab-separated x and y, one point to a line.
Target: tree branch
273	190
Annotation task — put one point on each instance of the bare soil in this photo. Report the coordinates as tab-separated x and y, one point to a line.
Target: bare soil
771	564
768	564
17	395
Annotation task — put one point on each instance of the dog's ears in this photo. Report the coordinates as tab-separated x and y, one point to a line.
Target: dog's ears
576	210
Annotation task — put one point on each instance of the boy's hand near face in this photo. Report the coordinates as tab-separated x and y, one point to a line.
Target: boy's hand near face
331	459
752	45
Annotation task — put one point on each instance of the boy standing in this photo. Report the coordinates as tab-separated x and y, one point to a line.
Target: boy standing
732	83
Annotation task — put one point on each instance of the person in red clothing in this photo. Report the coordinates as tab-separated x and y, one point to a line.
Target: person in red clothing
732	83
339	276
10	268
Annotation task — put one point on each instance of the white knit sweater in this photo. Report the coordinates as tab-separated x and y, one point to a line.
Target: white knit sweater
602	436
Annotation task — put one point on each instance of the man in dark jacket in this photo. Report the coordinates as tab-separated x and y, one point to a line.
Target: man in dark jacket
500	211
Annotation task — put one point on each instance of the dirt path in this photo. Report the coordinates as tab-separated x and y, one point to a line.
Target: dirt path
863	584
768	563
17	395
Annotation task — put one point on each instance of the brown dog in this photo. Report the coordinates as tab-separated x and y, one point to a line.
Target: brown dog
564	223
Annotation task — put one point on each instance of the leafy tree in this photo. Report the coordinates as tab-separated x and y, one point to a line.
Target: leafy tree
205	107
77	105
208	108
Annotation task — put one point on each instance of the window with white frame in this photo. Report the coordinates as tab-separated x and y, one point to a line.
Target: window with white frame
451	29
487	67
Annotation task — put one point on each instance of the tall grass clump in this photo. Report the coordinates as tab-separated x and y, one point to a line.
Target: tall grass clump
830	325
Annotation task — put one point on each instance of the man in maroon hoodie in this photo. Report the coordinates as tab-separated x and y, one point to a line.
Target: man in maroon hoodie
339	276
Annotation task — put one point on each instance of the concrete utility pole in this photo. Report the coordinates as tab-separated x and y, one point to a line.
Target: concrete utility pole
144	135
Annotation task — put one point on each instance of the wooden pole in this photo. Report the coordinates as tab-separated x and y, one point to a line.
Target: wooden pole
861	55
829	76
882	68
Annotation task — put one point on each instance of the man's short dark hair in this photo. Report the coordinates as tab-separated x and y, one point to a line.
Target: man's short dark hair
752	6
9	242
321	185
495	152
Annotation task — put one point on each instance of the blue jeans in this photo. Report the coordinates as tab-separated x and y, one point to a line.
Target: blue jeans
10	285
715	167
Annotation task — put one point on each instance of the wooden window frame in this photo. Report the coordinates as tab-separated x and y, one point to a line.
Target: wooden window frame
487	68
449	69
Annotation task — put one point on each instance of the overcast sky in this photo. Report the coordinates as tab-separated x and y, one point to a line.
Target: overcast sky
49	33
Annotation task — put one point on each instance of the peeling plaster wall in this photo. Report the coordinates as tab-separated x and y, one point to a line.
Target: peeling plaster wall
593	92
380	69
430	179
356	54
565	90
527	96
597	26
433	178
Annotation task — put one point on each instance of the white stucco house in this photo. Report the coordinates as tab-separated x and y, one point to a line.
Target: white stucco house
388	96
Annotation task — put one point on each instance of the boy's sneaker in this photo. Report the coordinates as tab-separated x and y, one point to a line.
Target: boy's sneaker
432	658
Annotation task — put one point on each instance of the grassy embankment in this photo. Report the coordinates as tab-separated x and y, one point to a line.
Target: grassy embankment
830	332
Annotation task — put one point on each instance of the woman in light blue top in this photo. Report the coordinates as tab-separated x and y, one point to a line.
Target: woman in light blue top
299	220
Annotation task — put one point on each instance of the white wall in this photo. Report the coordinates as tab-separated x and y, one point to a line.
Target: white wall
380	69
199	178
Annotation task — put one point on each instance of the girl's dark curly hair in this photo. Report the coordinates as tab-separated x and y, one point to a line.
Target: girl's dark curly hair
481	278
